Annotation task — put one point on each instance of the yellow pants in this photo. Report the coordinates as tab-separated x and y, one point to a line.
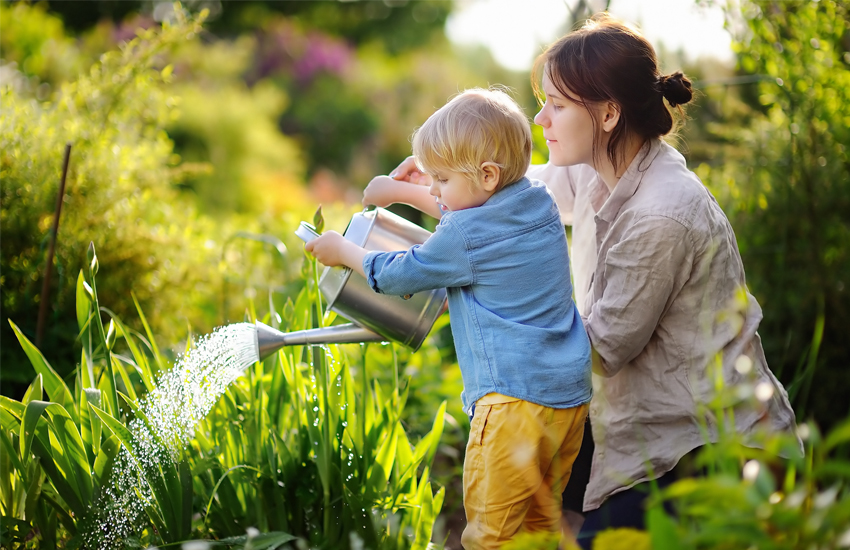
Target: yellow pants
518	460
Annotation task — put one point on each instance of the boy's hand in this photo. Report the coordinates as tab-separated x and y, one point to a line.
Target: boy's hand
382	191
332	250
327	248
407	171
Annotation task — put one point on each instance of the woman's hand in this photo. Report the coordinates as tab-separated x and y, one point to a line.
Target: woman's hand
327	248
409	172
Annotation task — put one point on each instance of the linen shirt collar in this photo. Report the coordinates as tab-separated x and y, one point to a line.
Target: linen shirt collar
608	206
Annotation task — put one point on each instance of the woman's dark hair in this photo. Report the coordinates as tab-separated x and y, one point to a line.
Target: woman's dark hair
605	60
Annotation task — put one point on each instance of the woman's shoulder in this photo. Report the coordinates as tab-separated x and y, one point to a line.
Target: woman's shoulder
669	188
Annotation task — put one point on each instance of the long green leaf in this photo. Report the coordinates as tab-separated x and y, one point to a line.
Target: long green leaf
425	524
160	362
436	433
55	467
103	464
53	383
72	445
117	428
140	358
68	450
34	392
83	305
32	414
16	408
154	478
265	541
163	479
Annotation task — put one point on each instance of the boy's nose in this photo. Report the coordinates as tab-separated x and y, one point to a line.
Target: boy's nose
433	189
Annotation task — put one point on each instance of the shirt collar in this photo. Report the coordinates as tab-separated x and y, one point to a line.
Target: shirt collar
629	182
508	191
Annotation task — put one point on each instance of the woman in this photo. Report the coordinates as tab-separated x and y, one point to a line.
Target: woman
659	281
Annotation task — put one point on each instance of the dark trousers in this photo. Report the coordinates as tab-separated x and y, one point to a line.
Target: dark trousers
624	509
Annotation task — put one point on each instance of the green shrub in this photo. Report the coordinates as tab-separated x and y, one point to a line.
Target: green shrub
119	193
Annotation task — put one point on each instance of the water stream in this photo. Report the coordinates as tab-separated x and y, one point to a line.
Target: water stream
182	397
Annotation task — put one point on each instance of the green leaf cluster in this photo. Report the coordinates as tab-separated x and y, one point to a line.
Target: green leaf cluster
296	449
781	170
120	192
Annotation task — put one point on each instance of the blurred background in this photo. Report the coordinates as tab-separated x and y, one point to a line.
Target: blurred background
202	134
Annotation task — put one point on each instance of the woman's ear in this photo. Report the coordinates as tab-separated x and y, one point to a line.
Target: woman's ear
609	116
491	174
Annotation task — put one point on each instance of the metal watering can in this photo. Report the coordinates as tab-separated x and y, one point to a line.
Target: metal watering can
374	317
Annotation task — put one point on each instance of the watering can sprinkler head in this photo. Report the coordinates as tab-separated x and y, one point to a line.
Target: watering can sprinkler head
269	340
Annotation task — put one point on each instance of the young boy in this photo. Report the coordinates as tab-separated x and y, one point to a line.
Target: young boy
500	251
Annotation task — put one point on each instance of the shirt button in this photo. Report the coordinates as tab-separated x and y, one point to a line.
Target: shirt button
399	255
407	296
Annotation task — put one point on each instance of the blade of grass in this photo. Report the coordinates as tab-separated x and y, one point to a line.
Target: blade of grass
53	383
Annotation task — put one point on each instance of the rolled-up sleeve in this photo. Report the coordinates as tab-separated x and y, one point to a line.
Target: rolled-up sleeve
559	181
440	262
641	273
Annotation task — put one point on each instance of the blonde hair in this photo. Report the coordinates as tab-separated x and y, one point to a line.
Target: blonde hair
475	127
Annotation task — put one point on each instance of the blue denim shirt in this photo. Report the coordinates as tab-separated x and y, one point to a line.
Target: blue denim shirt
505	266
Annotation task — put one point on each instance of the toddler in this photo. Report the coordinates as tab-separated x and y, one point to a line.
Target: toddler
500	251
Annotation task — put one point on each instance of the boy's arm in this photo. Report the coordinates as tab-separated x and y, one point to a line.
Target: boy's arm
441	261
384	190
332	249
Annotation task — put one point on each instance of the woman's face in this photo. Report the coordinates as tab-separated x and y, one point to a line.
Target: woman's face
567	127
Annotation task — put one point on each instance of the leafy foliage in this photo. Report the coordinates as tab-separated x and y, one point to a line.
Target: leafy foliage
296	448
784	180
119	190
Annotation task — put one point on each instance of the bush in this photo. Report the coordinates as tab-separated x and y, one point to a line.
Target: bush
119	193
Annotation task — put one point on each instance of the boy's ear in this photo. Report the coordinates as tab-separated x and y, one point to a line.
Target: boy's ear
491	176
609	115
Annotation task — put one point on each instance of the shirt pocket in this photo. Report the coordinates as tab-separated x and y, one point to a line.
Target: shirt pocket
479	423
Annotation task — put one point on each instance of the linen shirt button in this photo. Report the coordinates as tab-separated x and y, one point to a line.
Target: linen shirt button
407	296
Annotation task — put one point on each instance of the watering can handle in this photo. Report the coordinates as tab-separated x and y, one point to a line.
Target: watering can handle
306	232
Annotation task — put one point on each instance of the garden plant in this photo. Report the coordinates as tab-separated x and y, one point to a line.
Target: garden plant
296	450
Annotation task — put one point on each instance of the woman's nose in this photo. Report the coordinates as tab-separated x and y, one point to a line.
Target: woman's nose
540	118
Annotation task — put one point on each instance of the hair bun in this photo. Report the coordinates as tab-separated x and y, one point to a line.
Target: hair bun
676	88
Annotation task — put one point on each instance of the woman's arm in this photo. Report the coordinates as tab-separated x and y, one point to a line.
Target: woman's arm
642	273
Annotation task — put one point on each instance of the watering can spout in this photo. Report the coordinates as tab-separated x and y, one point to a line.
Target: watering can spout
269	340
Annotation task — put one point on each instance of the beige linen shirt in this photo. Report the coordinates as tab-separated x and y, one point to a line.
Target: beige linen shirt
660	286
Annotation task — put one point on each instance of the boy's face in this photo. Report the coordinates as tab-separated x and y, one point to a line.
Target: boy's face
452	191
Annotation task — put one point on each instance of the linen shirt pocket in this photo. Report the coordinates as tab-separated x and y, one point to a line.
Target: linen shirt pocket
479	422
